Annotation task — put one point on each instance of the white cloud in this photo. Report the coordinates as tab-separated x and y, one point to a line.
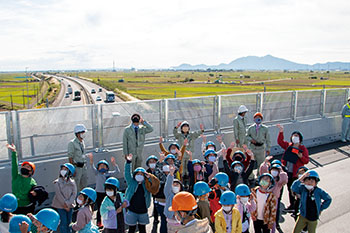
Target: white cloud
65	34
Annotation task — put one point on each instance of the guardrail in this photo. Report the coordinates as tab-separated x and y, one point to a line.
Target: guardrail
46	132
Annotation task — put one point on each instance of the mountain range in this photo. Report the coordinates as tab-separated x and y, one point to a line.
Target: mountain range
267	62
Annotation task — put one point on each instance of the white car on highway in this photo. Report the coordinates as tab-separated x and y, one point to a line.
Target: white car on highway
98	98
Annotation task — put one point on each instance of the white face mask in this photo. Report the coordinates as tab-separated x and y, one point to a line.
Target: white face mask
63	173
80	202
238	169
110	193
227	209
274	173
152	165
176	189
212	158
166	168
82	135
244	200
295	140
309	187
210	148
173	151
139	178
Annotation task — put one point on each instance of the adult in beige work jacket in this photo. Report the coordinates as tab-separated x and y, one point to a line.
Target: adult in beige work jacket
239	126
134	139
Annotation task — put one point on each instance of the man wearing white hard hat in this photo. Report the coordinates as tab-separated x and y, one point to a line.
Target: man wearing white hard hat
77	157
239	126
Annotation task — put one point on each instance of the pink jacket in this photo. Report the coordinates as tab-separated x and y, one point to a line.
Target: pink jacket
251	207
264	168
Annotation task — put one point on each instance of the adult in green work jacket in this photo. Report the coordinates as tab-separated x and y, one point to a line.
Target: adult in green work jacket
239	126
345	129
259	139
134	139
22	183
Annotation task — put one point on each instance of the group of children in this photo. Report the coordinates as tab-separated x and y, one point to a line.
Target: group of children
208	195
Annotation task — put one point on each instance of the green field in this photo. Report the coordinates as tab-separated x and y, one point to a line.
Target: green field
17	88
163	84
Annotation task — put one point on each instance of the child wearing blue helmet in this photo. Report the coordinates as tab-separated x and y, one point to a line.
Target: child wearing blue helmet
46	220
85	200
245	205
113	206
8	204
228	218
102	173
201	190
211	146
65	194
313	200
18	224
264	217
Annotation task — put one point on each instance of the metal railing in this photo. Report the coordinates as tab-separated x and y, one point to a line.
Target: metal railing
46	132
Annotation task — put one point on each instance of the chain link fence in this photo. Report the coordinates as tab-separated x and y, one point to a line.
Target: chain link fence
46	132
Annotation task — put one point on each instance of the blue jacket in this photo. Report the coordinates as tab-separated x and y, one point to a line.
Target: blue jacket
319	194
132	185
169	195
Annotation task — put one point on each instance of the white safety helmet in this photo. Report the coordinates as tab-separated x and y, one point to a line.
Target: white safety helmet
242	109
79	128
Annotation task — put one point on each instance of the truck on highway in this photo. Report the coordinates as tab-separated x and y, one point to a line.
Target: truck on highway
110	97
70	90
77	96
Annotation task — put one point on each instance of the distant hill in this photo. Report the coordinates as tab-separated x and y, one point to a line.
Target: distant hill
267	62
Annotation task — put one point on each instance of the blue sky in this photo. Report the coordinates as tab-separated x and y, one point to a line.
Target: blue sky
70	34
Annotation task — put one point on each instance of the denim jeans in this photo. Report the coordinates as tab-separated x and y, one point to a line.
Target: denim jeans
163	223
66	219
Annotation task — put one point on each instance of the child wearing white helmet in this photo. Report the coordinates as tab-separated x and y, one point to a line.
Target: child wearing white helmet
191	137
65	194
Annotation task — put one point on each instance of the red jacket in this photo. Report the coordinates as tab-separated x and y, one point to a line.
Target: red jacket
245	162
301	161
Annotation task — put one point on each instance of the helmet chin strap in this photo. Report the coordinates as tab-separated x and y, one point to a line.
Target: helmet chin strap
188	213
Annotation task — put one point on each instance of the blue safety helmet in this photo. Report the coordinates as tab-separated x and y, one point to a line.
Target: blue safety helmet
196	161
102	162
276	165
16	220
303	167
139	169
222	179
70	167
151	157
174	144
208	152
90	193
201	188
271	178
240	153
228	198
233	164
169	156
49	218
8	203
210	143
242	190
276	161
313	174
113	181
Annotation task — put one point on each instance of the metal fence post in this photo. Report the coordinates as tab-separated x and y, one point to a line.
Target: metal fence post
166	118
323	102
161	123
218	116
17	134
9	131
259	102
100	125
94	126
294	105
347	94
32	147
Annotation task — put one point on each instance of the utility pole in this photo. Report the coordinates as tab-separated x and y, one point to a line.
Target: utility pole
27	88
23	98
11	102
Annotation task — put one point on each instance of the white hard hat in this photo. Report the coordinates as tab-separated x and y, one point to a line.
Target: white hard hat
242	108
79	128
